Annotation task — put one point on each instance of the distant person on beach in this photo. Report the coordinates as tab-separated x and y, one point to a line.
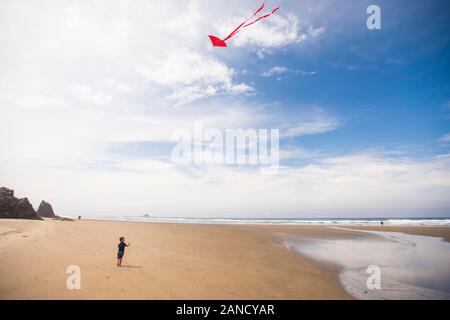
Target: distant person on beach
382	223
121	251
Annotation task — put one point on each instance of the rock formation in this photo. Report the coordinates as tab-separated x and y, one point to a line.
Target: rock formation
45	210
13	208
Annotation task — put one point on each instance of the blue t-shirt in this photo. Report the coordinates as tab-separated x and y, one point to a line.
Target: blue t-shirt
122	246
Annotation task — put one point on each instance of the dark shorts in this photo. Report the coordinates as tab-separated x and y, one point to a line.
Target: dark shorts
120	255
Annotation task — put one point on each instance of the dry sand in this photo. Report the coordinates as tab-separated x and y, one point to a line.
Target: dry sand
164	261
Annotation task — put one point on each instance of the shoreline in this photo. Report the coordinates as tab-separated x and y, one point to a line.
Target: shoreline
325	222
169	260
439	232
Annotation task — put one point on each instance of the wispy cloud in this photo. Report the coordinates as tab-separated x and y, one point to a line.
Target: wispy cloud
189	76
314	123
445	138
87	94
357	181
278	31
276	70
279	71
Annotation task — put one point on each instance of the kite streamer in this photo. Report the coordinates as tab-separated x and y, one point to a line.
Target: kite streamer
216	42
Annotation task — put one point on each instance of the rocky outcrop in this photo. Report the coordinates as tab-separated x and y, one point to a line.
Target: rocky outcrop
45	210
13	208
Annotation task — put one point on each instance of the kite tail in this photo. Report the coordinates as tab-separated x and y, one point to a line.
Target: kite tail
262	17
244	24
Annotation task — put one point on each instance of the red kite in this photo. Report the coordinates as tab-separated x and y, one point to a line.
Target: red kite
216	42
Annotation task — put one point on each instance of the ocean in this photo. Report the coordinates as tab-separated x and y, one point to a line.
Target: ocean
421	221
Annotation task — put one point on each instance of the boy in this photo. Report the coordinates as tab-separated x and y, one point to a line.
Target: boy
121	251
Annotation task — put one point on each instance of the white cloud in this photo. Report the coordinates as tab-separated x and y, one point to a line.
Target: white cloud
315	32
279	70
241	88
190	76
276	70
314	123
89	95
277	31
298	153
445	138
116	85
370	180
356	182
67	93
185	68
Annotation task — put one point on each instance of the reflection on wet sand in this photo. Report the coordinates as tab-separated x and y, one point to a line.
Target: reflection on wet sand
412	266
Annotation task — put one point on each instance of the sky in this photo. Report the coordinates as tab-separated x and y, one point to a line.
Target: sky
92	91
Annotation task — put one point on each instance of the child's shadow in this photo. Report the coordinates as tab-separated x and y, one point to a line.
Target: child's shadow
131	266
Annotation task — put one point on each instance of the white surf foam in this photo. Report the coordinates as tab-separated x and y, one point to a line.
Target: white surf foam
313	221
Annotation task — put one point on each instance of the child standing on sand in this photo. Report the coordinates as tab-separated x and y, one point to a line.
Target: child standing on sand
121	251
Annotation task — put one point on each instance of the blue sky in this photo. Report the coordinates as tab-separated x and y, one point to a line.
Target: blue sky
94	92
390	87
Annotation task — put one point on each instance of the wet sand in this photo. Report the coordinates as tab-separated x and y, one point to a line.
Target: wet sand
407	266
441	232
169	260
164	261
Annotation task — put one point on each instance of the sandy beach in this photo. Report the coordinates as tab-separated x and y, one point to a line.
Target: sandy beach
167	261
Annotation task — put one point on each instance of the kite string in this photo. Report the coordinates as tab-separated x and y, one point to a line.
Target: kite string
239	27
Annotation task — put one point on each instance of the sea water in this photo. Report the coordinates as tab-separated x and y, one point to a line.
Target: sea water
284	221
411	266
